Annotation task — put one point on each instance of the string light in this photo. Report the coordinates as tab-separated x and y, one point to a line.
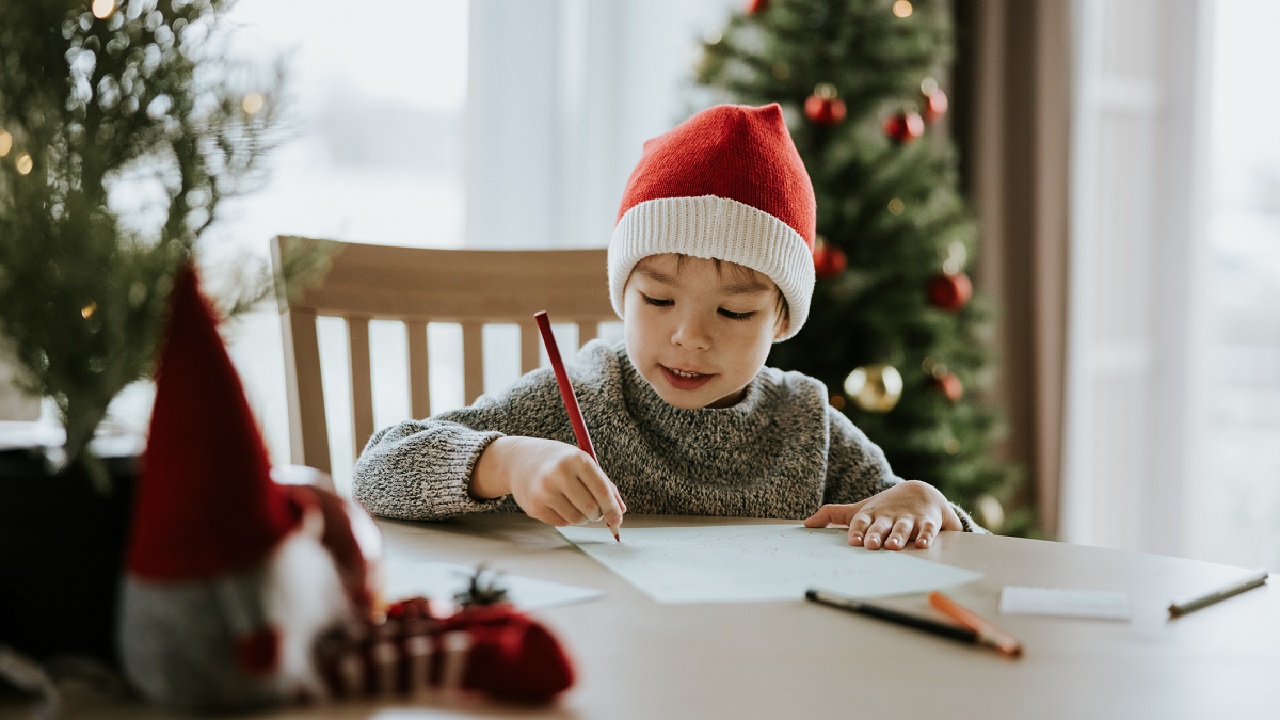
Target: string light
253	103
24	163
902	8
87	311
102	9
6	142
896	206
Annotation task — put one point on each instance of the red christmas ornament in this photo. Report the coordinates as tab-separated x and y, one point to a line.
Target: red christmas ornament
755	7
904	127
934	105
823	107
950	291
949	385
828	260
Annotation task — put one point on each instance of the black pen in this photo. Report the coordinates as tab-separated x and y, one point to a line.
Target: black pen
1184	605
954	632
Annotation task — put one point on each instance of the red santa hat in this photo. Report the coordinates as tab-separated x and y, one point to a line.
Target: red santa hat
727	183
205	504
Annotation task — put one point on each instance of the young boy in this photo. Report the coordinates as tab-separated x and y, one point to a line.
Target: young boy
711	261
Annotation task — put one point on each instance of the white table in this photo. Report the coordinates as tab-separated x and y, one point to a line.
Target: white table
639	659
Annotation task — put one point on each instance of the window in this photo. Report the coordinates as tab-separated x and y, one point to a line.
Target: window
441	123
1173	440
1234	489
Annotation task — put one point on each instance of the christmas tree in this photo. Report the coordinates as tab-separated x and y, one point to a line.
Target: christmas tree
123	125
894	324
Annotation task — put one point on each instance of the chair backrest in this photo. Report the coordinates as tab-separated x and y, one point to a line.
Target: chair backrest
417	286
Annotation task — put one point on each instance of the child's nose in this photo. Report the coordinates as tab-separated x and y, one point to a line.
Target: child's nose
691	333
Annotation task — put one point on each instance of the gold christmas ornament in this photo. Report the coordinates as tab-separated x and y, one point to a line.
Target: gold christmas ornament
874	388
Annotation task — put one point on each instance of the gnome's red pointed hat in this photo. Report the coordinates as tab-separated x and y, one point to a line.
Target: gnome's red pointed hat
205	504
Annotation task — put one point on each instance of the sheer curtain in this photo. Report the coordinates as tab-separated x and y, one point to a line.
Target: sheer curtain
483	123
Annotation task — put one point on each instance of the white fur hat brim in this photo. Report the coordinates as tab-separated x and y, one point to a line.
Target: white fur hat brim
709	226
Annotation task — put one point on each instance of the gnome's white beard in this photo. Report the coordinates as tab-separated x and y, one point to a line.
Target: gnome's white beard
178	638
304	595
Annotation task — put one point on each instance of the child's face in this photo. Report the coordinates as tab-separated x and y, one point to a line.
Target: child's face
698	333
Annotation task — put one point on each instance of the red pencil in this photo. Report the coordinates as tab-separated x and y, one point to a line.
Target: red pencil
566	392
988	634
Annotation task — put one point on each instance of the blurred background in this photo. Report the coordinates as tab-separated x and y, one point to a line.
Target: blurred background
1121	157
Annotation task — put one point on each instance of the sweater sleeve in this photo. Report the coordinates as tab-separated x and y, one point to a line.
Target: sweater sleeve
858	469
420	469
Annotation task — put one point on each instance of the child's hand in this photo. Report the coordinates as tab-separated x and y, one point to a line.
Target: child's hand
910	511
553	482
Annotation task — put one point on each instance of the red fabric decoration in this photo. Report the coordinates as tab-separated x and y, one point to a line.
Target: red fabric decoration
950	291
205	504
731	151
512	658
755	7
508	657
258	653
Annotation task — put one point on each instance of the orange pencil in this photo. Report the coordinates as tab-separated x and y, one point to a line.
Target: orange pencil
988	634
566	392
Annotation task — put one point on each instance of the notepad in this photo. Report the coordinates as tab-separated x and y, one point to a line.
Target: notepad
1094	604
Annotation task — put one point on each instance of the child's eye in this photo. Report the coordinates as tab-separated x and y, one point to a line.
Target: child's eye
655	301
735	315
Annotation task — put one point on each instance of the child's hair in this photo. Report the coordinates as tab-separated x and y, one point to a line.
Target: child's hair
728	184
781	309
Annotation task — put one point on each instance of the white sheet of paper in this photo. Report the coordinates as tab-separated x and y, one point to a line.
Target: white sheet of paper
1096	604
441	581
754	563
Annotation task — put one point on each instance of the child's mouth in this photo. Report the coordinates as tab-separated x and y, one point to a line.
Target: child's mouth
685	379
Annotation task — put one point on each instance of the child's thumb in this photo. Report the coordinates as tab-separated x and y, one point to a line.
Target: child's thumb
832	515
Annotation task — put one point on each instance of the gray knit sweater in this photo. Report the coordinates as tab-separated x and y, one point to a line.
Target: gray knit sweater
781	452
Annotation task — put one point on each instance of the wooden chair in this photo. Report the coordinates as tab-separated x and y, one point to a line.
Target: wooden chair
417	286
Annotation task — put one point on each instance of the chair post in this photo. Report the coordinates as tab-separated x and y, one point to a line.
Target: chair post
308	437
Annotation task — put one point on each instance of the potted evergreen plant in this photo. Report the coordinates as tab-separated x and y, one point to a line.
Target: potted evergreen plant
123	126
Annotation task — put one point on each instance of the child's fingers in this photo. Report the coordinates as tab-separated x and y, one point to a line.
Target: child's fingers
582	500
925	532
873	538
562	506
858	528
900	533
603	491
544	513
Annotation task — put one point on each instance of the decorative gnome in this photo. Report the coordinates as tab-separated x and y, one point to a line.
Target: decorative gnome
230	577
240	592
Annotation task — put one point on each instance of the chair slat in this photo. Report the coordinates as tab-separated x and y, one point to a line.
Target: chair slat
530	344
361	382
472	360
418	286
419	369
